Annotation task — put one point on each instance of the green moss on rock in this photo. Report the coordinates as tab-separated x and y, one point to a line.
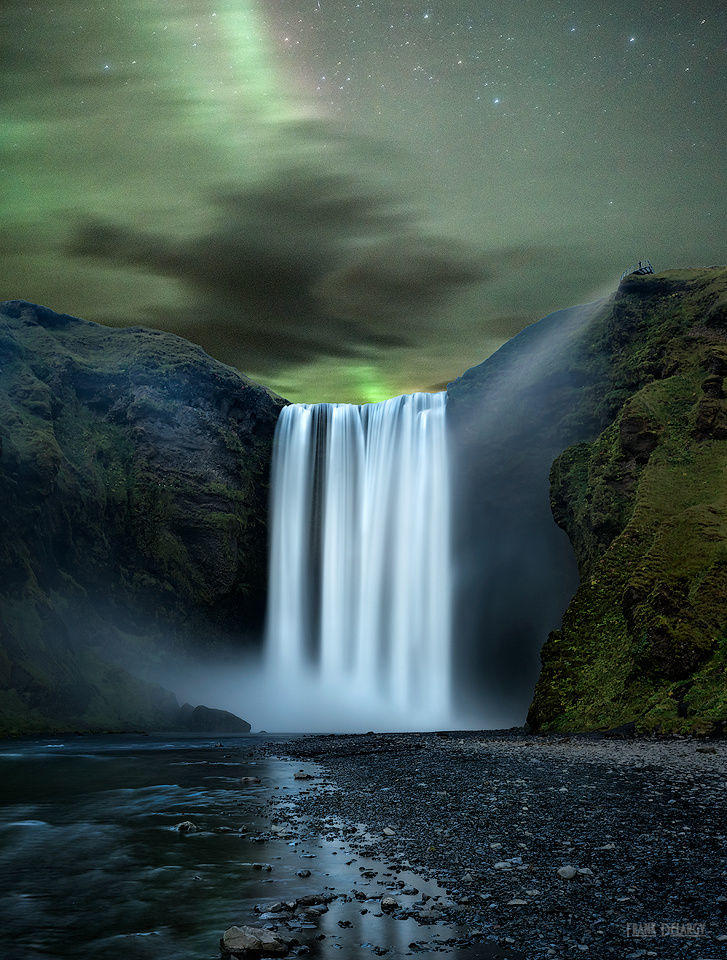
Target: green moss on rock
645	506
134	471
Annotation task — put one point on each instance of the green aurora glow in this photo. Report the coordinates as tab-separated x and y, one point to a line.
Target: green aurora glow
356	200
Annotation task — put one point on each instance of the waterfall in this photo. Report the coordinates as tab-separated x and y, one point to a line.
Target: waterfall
360	570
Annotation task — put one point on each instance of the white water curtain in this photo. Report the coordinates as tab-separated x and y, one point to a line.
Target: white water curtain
360	567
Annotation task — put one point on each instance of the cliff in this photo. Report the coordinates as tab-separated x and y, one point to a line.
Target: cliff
612	419
508	419
134	475
134	472
644	503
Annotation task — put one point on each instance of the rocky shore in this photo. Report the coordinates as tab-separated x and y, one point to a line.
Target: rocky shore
546	847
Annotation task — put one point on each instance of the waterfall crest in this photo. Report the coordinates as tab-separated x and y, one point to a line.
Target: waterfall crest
360	569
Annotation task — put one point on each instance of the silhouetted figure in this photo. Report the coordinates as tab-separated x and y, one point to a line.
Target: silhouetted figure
641	269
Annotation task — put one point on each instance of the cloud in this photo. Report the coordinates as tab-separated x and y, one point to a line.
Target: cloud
302	266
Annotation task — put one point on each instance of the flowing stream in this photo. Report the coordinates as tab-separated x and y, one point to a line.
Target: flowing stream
92	866
360	569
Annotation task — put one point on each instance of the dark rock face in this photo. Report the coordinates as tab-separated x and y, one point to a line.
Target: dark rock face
711	420
638	435
134	474
508	419
611	401
207	720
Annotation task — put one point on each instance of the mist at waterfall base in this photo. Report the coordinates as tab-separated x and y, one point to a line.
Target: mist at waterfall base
508	569
515	570
358	632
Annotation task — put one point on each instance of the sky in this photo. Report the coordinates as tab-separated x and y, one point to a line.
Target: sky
352	200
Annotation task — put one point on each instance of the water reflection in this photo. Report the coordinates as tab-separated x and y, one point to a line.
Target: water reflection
91	864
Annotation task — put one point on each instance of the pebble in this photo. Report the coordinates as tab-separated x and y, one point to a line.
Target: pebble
658	803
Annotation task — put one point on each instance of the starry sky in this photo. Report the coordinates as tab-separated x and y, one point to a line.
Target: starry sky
350	199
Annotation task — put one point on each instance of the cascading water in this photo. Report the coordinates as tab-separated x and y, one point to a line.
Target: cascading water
360	588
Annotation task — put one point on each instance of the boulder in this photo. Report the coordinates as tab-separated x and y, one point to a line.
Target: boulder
210	720
245	942
186	826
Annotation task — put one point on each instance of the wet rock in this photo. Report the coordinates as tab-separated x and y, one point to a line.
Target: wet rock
302	775
313	900
186	826
280	907
249	781
389	904
303	874
242	943
316	911
389	832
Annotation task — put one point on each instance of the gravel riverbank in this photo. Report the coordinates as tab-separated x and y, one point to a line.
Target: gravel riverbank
548	847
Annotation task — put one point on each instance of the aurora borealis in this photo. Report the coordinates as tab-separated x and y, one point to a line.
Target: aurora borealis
348	200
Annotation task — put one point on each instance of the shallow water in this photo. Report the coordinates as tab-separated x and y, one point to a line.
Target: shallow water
91	865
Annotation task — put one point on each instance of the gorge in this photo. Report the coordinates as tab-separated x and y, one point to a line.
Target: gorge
135	472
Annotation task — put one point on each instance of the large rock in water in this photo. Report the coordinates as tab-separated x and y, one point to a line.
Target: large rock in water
245	943
626	397
134	475
208	720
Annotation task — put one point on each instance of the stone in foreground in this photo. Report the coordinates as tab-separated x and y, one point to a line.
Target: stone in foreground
186	826
243	942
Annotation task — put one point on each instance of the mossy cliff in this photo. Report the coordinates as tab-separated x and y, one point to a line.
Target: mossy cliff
133	479
644	503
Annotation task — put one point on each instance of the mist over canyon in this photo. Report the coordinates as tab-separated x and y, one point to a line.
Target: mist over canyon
135	528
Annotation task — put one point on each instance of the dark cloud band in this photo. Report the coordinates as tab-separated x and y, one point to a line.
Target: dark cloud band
300	267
